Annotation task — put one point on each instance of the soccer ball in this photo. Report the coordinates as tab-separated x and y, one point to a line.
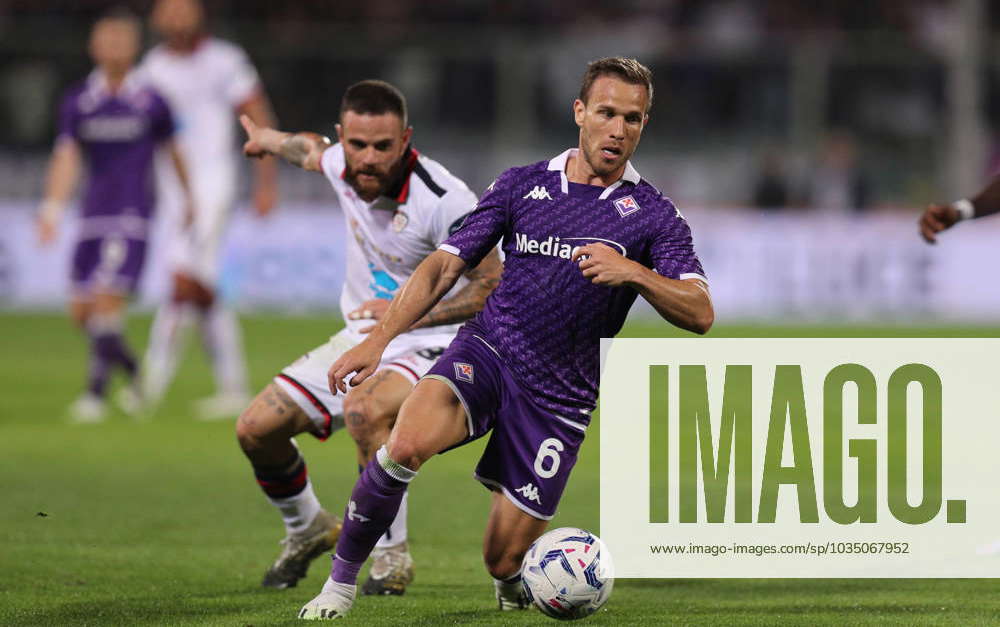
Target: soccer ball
567	573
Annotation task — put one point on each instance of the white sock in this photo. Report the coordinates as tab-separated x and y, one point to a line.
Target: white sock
509	589
166	339
220	334
298	511
396	534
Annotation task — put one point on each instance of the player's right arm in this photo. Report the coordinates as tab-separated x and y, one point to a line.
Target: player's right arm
304	150
180	167
431	280
937	218
63	172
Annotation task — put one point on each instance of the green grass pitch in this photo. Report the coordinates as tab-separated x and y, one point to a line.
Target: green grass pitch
160	522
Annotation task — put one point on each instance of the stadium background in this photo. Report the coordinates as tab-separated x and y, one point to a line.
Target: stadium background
799	139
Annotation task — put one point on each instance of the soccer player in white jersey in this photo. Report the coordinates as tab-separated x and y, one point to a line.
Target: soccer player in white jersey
399	206
205	80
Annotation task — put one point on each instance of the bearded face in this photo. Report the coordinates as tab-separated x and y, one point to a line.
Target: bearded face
373	149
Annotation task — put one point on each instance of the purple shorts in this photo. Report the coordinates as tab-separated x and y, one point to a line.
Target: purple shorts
531	450
111	263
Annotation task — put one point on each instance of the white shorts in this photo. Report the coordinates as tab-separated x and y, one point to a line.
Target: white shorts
305	380
196	250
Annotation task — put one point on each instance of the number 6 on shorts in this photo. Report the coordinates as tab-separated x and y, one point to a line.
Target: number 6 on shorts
549	449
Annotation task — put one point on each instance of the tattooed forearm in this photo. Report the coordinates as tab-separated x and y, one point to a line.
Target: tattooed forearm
303	149
467	302
295	149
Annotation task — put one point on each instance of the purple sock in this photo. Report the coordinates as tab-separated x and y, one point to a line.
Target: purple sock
373	506
116	348
101	361
107	350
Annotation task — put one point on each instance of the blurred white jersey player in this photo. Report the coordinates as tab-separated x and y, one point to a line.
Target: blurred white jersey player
207	81
398	207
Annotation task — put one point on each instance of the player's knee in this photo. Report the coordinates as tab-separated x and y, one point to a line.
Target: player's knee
366	418
79	316
252	432
406	451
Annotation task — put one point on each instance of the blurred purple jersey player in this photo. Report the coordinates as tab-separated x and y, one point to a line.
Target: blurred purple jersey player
113	123
583	234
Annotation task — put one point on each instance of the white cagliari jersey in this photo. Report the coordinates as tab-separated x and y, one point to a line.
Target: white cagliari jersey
204	88
389	237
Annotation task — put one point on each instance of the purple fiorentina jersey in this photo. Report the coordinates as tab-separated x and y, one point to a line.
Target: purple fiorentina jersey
118	134
545	319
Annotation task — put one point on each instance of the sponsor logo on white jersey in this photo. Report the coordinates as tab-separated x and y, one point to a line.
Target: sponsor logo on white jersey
530	492
352	514
559	246
539	193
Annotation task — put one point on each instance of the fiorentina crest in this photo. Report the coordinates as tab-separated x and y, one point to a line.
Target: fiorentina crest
626	205
463	372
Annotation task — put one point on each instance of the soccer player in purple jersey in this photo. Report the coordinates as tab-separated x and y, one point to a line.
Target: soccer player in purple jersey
937	218
583	234
113	122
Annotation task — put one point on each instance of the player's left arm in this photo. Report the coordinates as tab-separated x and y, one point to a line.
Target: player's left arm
682	302
258	108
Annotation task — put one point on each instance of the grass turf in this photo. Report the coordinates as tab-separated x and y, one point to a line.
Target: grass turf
160	522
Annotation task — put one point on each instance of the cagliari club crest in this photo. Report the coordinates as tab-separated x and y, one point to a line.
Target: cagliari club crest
399	221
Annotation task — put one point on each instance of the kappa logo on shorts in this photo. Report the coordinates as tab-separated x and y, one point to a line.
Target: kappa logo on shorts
530	492
626	206
464	372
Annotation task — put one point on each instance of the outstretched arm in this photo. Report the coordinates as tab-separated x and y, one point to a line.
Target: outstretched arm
302	149
937	218
64	169
683	303
432	279
265	191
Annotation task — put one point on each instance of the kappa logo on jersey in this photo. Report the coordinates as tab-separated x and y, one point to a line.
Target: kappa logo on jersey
539	193
626	206
352	513
399	221
530	492
464	372
557	246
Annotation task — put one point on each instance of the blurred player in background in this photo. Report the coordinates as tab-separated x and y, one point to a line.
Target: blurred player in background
399	207
205	80
937	218
583	235
113	122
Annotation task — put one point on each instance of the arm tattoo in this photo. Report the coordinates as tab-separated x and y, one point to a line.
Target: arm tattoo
467	302
296	148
